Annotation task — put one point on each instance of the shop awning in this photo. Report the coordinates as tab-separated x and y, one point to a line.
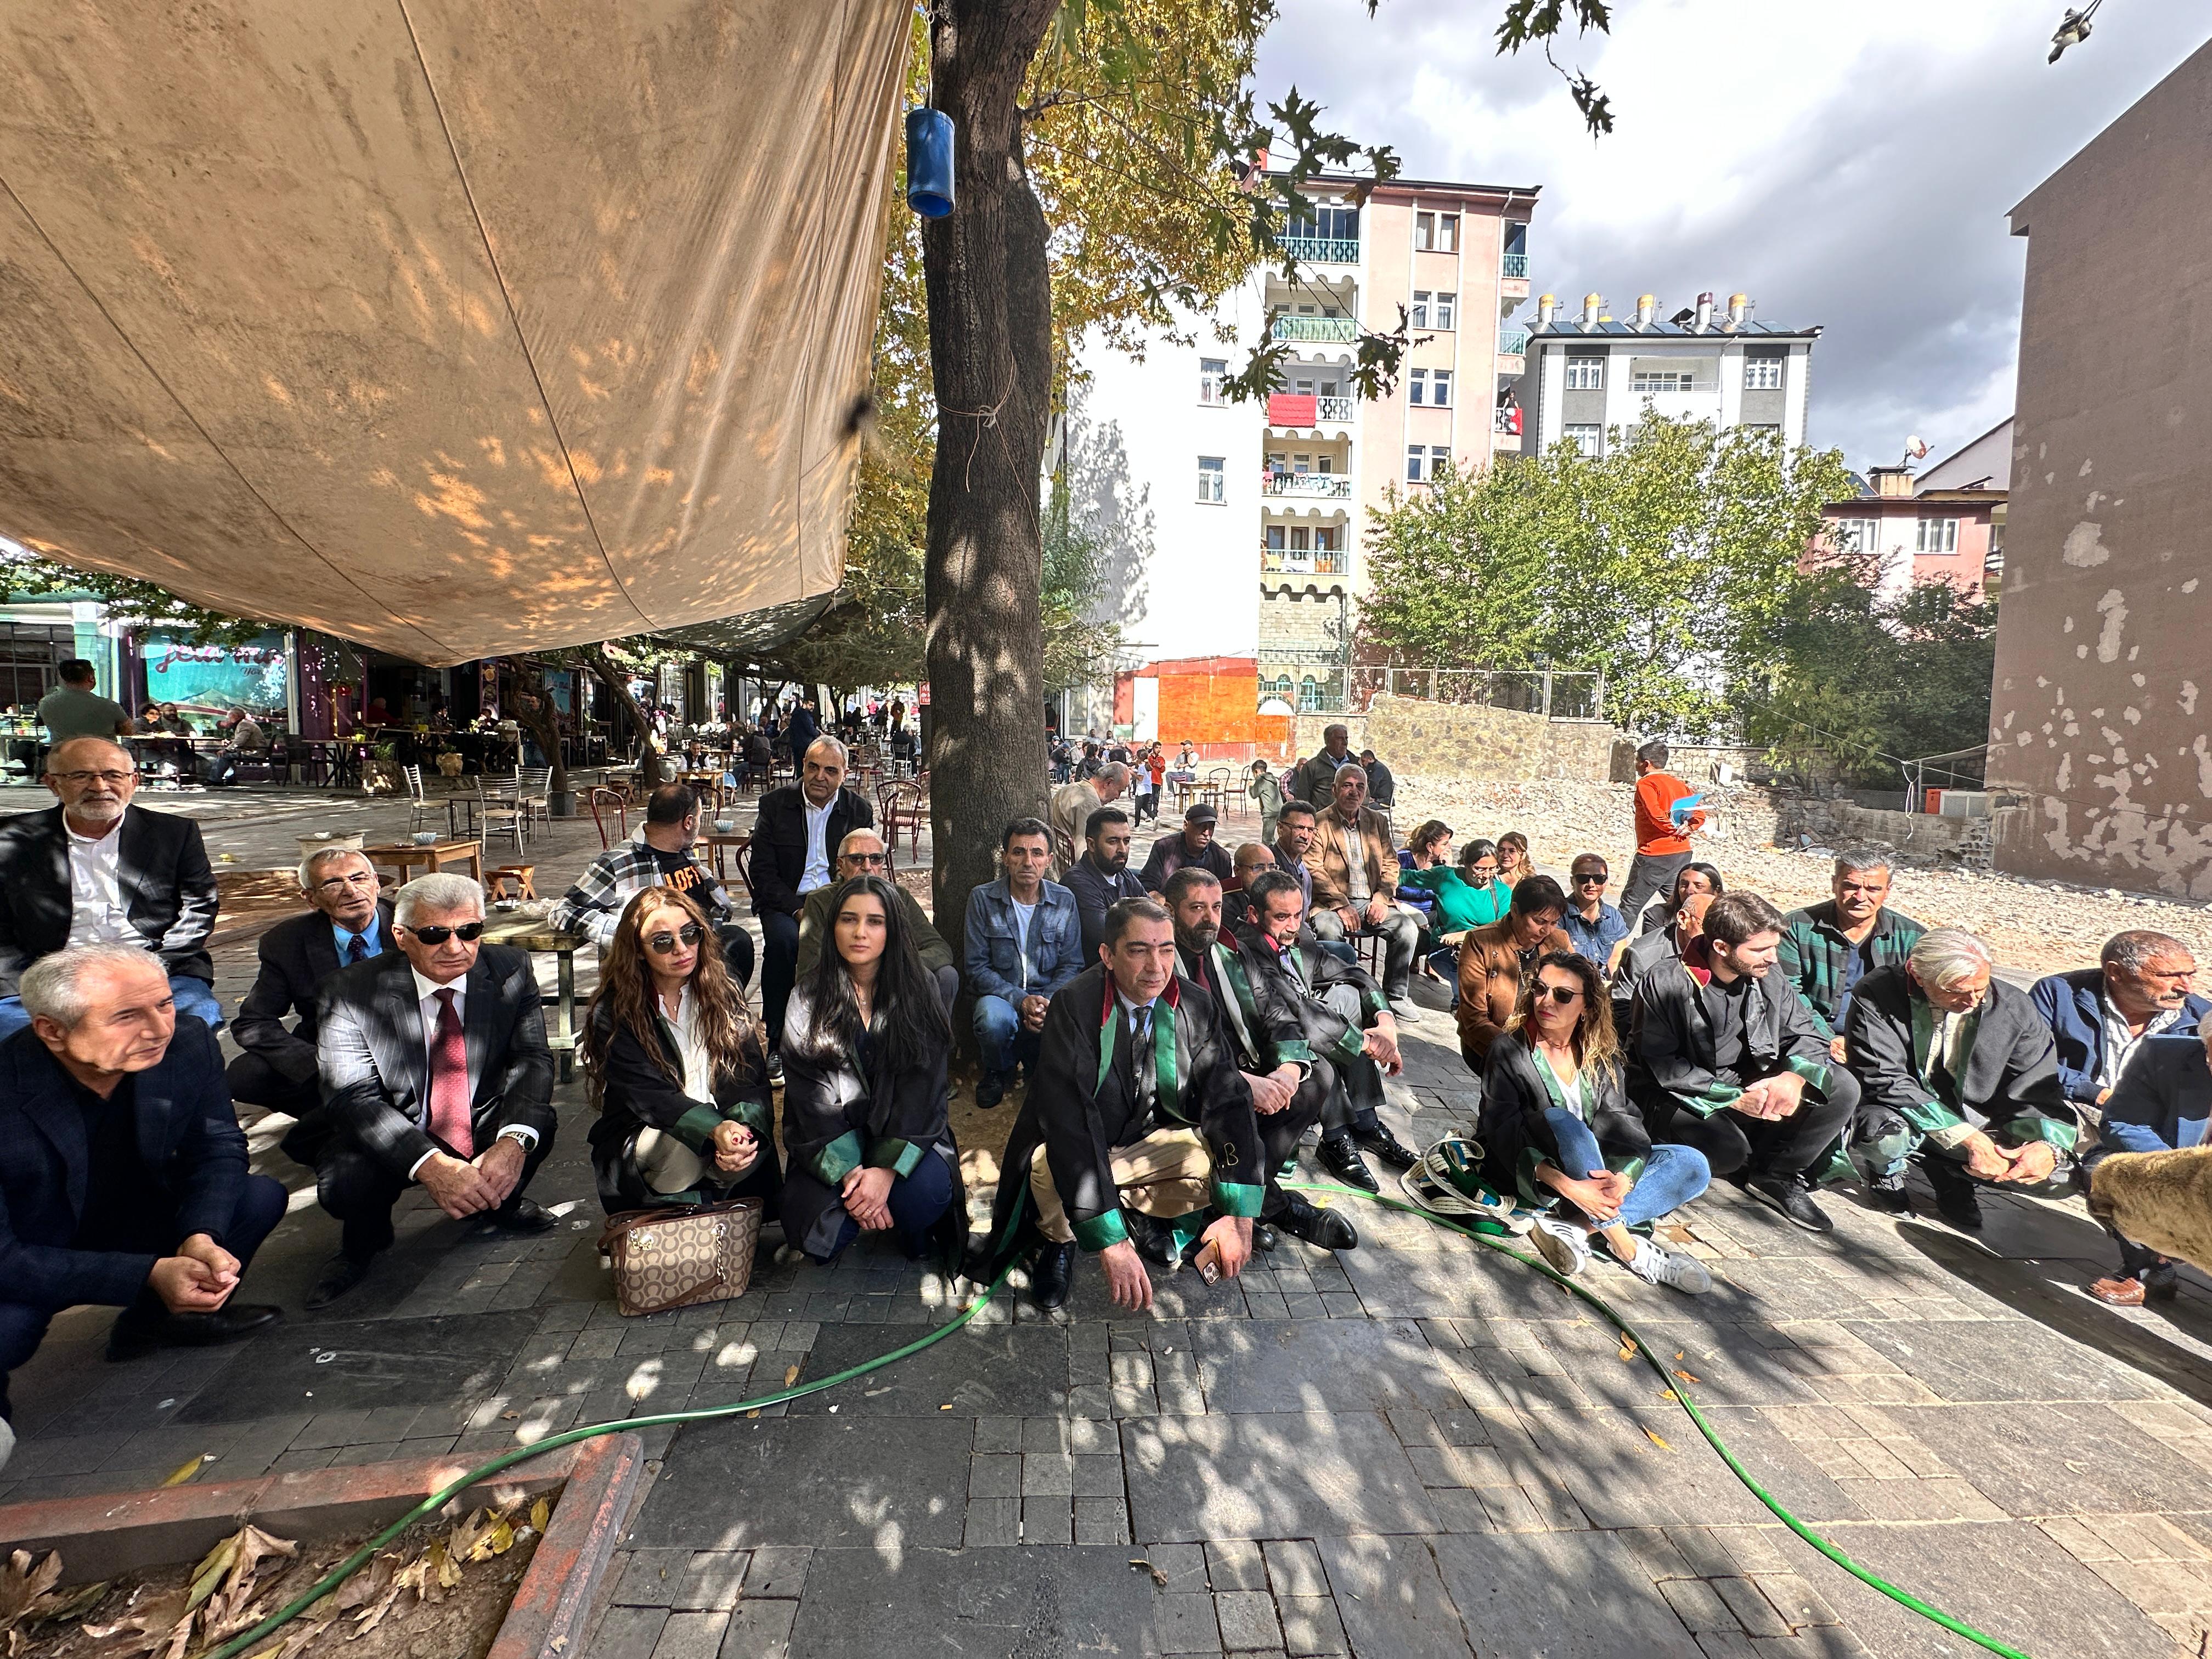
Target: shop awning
450	329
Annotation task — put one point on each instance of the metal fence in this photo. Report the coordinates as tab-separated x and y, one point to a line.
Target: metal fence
1314	687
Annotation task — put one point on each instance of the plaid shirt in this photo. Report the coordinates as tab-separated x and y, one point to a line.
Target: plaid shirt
1814	953
594	904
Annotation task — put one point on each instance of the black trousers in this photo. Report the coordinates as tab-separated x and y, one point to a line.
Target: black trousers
779	969
1783	1146
254	1082
737	951
360	1190
1279	1132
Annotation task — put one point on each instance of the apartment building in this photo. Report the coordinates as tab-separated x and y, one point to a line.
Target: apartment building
1945	524
1237	527
1590	376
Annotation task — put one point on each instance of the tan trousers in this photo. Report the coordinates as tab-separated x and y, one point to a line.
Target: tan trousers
1167	1174
666	1165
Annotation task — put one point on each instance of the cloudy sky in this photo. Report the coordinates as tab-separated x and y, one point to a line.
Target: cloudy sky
1845	163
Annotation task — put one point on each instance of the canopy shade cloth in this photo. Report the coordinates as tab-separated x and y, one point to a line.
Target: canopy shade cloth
451	328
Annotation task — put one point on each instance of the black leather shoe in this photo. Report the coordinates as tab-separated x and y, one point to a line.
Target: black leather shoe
136	1334
1374	1138
1264	1237
1788	1194
1326	1228
1887	1194
1340	1156
343	1273
1956	1201
1049	1275
1154	1241
990	1089
528	1215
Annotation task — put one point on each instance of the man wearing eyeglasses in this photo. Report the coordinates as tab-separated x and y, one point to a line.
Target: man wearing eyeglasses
659	854
862	854
95	870
350	923
435	1073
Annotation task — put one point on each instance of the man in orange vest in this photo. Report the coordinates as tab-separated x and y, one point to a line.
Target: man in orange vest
1662	834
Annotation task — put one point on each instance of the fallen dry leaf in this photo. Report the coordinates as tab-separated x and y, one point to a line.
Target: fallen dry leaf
541	1514
56	1606
144	1628
1627	1347
449	1571
1656	1441
791	1377
1159	1578
185	1471
1686	1375
23	1584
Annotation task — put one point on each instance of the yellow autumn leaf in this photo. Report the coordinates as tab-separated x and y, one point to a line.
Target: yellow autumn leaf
209	1572
1627	1347
1686	1377
449	1571
186	1471
1656	1441
541	1512
791	1377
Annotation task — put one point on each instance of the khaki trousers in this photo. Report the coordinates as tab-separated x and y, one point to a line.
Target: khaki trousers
1167	1174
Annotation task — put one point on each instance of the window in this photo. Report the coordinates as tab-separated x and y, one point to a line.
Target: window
1212	470
1446	304
1441	393
1447	232
1325	539
1301	463
1439	461
1425	230
1417	460
1301	538
1212	372
1420	314
1310	695
1938	536
1275	538
1418	387
1662	380
1322	465
1587	439
1762	374
1426	464
1855	535
1585	373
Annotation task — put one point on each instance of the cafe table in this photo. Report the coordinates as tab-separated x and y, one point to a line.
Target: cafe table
524	931
434	856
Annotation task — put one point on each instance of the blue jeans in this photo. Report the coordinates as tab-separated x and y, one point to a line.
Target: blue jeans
194	996
917	1202
999	1036
1672	1176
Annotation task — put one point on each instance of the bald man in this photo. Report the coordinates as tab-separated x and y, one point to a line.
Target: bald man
95	870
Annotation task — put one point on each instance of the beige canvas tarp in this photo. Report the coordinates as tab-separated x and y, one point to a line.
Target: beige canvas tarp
452	328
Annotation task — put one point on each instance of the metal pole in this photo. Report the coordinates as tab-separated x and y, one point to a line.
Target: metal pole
1547	694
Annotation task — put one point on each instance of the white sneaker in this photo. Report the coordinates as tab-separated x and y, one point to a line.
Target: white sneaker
1562	1243
1655	1264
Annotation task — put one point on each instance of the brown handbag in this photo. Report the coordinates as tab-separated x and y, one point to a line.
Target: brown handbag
679	1256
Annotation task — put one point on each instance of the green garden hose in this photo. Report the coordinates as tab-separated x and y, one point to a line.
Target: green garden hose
244	1643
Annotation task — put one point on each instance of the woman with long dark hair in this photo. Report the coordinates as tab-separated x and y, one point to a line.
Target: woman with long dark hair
1557	1130
865	1093
678	1066
1697	877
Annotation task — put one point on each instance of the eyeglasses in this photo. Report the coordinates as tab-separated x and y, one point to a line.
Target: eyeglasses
663	943
1562	994
865	860
1488	869
1598	876
470	931
359	878
112	780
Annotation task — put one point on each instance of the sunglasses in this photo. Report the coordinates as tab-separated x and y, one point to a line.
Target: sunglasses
1562	994
689	934
470	931
866	861
1598	876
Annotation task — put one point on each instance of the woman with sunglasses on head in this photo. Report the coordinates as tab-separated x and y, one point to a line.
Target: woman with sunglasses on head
1557	1131
678	1065
865	1046
1695	878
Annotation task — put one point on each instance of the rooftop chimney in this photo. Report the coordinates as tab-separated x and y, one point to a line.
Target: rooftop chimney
1546	304
1592	304
1738	304
1890	480
1704	314
1645	305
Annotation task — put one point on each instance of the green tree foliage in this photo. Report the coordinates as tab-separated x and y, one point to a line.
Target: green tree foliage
1855	683
1669	562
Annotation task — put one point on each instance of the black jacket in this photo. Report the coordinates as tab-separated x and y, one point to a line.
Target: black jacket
1671	1058
375	1065
1170	853
297	955
1096	893
637	1093
779	848
1516	1137
1305	974
2011	1084
1260	1024
168	890
188	1137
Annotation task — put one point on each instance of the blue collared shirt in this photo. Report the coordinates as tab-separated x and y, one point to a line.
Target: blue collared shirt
1594	939
342	937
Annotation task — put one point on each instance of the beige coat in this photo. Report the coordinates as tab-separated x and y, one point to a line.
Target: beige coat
1331	870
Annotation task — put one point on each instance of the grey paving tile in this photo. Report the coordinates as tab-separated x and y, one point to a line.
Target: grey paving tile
1392	1599
1247	1620
1236	1565
1310	1625
1294	1567
778	1572
1268	1475
760	1630
1560	1595
425	1360
1317	1366
2103	1465
628	1634
1101	1520
691	1636
712	1580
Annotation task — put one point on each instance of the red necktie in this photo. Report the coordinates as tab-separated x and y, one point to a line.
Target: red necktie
449	1081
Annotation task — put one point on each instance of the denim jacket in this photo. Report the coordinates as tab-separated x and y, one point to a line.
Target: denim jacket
993	943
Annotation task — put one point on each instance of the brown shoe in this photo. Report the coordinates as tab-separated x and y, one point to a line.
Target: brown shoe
2118	1292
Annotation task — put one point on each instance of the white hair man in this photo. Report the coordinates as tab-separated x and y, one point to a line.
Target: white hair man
434	1072
1966	1060
350	922
1070	809
123	1175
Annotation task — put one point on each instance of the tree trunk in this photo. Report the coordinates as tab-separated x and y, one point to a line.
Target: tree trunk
611	675
990	349
533	712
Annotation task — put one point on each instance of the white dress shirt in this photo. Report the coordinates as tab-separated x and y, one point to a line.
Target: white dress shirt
2120	1043
698	1065
816	873
426	997
96	912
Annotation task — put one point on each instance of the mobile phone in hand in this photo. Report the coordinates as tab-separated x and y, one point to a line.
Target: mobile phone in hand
1208	1263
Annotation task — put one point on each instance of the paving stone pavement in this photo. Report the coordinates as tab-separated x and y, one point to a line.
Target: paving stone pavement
1419	1447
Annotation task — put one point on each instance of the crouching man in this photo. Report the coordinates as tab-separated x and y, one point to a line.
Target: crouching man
1137	1118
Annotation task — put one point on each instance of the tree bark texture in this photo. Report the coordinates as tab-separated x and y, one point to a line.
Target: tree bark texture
990	347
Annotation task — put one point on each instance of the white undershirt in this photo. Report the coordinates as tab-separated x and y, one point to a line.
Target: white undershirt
817	873
96	912
698	1065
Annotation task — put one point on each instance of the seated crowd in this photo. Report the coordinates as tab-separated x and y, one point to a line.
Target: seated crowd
1179	1028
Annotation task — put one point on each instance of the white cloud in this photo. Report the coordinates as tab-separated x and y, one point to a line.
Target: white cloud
1843	163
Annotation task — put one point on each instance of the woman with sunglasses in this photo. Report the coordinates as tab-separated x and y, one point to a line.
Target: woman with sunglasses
1695	878
865	1045
678	1066
1557	1131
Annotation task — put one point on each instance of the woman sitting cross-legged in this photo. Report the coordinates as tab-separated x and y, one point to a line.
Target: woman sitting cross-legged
1556	1122
864	1049
678	1065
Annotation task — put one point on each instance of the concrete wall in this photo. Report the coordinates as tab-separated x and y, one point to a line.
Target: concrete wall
2101	657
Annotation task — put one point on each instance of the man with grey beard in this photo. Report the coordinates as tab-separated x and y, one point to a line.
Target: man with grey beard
95	870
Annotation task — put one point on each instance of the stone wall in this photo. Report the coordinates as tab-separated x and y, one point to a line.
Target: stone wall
1472	740
1915	837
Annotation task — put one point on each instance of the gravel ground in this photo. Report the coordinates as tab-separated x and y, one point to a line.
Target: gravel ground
2034	927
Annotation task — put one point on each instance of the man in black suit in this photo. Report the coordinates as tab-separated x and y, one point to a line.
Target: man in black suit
795	841
348	925
122	1176
96	870
434	1071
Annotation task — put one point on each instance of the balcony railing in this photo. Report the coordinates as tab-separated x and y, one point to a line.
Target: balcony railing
1514	265
1333	485
1512	342
1295	408
1323	250
1326	561
1332	331
1648	386
1338	409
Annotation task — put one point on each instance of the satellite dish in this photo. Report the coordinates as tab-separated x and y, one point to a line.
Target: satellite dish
1916	449
1278	707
